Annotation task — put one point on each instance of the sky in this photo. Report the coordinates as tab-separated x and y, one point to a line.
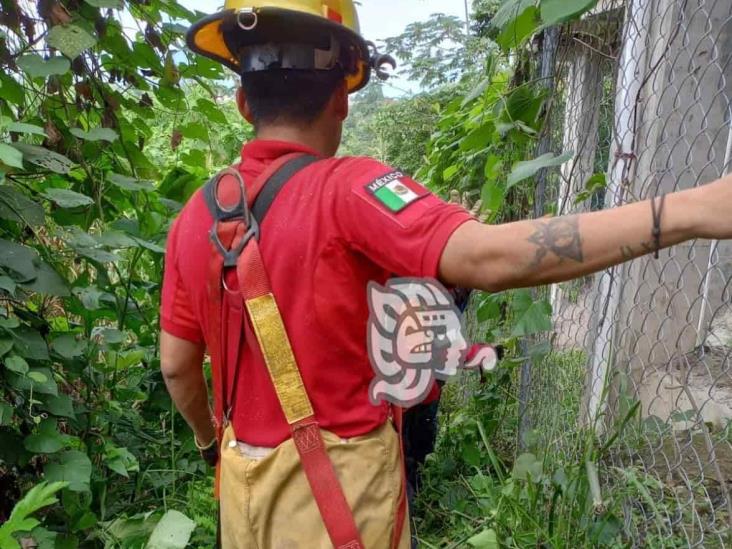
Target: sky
379	18
382	19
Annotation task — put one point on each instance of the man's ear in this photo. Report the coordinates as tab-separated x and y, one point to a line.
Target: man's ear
243	104
340	101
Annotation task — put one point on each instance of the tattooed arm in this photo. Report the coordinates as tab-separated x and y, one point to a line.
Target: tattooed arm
532	253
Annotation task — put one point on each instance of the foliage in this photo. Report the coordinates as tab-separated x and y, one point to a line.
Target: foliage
20	520
106	130
393	131
476	487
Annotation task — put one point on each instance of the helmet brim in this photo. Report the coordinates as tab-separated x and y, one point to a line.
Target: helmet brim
217	35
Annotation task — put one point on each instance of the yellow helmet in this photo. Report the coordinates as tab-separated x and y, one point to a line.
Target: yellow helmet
253	35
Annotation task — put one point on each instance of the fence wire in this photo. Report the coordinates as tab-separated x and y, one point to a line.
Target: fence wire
642	97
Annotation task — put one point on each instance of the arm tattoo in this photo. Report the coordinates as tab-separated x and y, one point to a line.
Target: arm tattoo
559	236
628	252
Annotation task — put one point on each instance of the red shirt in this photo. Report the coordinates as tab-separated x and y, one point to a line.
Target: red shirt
325	237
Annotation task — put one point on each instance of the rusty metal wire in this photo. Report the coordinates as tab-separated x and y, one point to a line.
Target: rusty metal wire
644	100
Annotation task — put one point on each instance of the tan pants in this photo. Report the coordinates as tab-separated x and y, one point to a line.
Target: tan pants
266	502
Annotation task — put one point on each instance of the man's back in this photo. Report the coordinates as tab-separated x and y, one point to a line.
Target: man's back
327	235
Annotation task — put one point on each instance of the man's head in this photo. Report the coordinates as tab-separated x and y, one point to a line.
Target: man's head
315	101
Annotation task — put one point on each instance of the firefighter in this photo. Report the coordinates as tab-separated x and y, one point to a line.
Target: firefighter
267	270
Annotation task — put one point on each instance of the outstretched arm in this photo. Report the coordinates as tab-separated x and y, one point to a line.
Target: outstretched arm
545	251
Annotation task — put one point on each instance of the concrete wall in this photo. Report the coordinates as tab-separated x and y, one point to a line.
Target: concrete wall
677	137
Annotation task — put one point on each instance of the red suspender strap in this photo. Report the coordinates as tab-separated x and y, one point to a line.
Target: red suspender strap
402	504
267	323
327	491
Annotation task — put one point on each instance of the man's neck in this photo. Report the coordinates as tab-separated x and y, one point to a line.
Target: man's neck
312	137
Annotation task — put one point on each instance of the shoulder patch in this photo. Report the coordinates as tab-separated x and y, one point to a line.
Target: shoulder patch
394	191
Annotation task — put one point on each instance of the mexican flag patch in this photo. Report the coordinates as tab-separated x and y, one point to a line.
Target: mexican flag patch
392	192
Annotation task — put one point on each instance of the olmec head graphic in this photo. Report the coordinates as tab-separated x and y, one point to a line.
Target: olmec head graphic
415	335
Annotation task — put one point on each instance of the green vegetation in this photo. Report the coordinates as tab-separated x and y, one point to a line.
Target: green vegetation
105	135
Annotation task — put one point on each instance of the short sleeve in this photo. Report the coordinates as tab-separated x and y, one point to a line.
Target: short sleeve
393	220
177	316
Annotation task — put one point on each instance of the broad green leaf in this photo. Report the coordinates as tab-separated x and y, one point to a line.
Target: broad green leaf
47	440
70	40
129	358
536	319
129	183
16	364
12	91
121	461
150	246
19	259
493	166
117	240
482	86
450	172
68	346
6	343
172	532
171	97
89	297
487	539
109	336
532	316
195	130
20	127
79	238
489	308
72	467
211	111
47	281
7	284
6	414
59	406
37	67
525	170
136	528
16	206
554	12
100	256
10	156
40	156
519	29
9	322
38	377
492	196
509	11
66	198
29	344
478	138
96	134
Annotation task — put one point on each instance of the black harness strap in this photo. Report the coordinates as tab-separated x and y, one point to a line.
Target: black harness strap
270	191
276	183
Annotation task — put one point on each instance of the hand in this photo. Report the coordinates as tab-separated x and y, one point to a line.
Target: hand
209	452
465	202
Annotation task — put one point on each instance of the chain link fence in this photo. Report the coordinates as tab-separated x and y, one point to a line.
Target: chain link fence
642	95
